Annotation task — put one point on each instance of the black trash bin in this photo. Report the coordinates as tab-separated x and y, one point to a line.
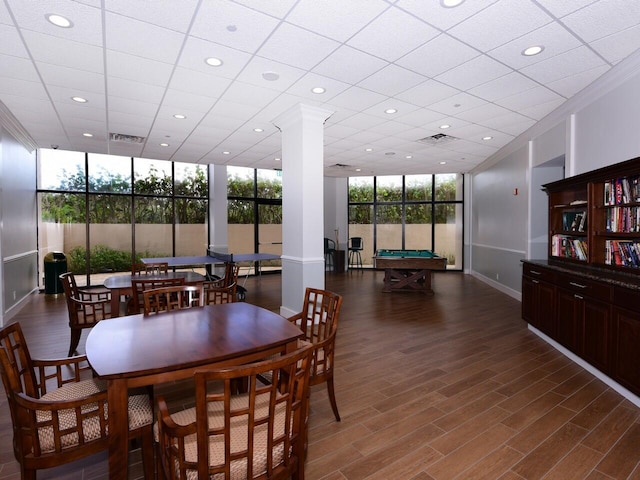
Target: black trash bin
55	264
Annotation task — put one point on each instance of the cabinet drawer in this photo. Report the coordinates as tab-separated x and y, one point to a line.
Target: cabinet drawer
627	298
538	273
586	287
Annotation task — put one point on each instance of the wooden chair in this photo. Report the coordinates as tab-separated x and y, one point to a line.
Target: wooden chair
140	285
260	433
149	268
86	308
319	322
231	271
57	416
175	297
214	294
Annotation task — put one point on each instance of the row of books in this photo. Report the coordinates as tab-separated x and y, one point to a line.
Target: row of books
568	247
574	221
622	253
622	190
623	219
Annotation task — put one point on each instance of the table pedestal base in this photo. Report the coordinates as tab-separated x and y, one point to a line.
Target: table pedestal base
405	279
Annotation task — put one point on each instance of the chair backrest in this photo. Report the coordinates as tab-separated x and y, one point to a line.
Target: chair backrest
214	294
149	268
175	297
140	285
356	243
69	286
18	374
262	432
329	245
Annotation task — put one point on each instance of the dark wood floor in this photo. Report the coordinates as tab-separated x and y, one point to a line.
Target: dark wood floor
450	386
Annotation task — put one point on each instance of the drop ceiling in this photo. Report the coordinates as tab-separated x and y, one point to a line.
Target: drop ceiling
140	62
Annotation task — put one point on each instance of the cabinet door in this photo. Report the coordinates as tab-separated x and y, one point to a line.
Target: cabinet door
568	314
529	288
546	309
596	324
626	349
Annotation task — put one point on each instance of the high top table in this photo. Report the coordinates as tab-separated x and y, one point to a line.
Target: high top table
140	350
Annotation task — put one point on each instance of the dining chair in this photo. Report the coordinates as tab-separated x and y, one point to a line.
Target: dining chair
140	285
59	411
329	253
86	307
319	322
149	268
214	294
260	433
175	297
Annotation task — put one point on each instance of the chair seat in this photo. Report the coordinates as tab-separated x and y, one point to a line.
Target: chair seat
140	413
238	436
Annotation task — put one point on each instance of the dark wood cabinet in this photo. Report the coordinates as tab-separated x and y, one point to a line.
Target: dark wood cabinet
586	294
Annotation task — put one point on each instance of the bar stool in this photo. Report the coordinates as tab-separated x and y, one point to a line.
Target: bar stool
355	247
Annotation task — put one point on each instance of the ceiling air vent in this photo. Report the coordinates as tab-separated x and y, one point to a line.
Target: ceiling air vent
438	139
122	138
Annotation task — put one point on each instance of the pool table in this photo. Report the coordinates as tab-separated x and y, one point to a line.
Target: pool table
408	269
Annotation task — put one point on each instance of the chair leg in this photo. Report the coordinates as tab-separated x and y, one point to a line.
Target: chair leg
75	340
147	451
332	398
27	474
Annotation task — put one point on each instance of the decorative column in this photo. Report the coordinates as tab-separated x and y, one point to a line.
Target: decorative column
302	128
218	212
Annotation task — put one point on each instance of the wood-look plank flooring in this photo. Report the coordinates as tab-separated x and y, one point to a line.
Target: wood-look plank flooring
449	386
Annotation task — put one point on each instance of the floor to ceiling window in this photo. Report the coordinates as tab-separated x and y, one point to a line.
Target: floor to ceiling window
254	199
413	212
105	212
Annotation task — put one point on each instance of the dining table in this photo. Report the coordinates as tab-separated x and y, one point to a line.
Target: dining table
138	350
121	284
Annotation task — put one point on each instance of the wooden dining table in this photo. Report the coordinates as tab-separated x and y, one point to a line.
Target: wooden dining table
120	285
139	350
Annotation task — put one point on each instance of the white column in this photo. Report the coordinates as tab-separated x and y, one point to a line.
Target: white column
218	234
302	129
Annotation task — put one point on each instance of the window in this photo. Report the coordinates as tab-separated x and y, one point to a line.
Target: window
105	212
414	212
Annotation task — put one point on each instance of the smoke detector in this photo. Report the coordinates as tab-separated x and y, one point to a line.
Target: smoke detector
122	138
438	139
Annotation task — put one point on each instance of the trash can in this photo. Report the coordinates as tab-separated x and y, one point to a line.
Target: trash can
55	264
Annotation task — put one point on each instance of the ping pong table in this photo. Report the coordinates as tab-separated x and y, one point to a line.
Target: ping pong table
216	258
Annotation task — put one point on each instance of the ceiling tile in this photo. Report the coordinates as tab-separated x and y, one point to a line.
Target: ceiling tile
505	86
392	80
121	87
560	9
253	74
444	18
356	98
277	9
409	33
564	65
500	23
144	40
67	53
438	55
538	111
138	69
603	18
475	72
290	44
302	88
334	66
197	83
420	117
528	98
482	113
456	104
569	86
618	46
11	43
233	25
19	68
197	50
427	93
71	78
336	20
158	12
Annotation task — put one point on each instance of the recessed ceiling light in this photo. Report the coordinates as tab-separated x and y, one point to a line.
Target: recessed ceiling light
213	62
179	116
390	110
59	20
270	76
445	126
358	169
443	163
258	130
450	3
79	99
226	153
164	144
488	137
87	134
277	159
534	50
409	156
368	149
318	90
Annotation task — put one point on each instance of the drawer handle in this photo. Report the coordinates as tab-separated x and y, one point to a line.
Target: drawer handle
574	284
535	281
535	272
579	297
